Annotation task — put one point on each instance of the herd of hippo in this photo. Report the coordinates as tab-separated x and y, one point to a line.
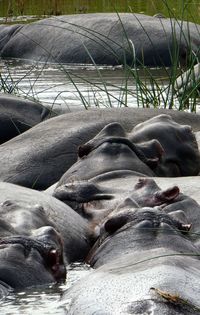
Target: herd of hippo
117	189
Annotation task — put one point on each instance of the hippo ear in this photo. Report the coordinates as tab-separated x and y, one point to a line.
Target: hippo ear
111	130
168	194
153	152
115	223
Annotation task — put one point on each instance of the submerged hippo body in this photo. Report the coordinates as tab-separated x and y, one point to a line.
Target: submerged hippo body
140	266
103	38
18	115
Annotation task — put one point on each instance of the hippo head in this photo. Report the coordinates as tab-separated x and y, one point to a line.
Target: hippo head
30	261
148	194
180	156
138	231
109	151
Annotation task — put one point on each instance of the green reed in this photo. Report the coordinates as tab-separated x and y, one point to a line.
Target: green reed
150	90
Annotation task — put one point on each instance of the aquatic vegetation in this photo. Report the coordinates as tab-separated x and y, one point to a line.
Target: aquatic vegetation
150	90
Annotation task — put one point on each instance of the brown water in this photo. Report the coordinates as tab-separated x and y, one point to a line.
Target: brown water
189	10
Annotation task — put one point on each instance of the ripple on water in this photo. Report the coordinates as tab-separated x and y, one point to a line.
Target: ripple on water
74	85
43	300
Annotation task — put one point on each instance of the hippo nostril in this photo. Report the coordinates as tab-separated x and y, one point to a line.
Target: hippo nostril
53	257
54	261
185	227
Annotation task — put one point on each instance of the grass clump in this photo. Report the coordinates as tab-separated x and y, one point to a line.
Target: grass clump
138	81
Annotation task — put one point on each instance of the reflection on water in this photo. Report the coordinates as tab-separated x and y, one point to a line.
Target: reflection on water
78	85
43	301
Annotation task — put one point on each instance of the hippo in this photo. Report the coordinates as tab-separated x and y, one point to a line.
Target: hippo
24	210
27	261
144	261
18	115
40	156
102	38
108	151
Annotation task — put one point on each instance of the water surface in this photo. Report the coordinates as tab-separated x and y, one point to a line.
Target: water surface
43	301
80	85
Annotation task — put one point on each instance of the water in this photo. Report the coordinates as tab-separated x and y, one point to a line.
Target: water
78	85
43	301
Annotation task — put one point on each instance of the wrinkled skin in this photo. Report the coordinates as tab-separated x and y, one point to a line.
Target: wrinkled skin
31	261
97	198
181	156
150	146
121	190
106	36
91	183
18	115
140	258
23	211
148	227
44	153
109	151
